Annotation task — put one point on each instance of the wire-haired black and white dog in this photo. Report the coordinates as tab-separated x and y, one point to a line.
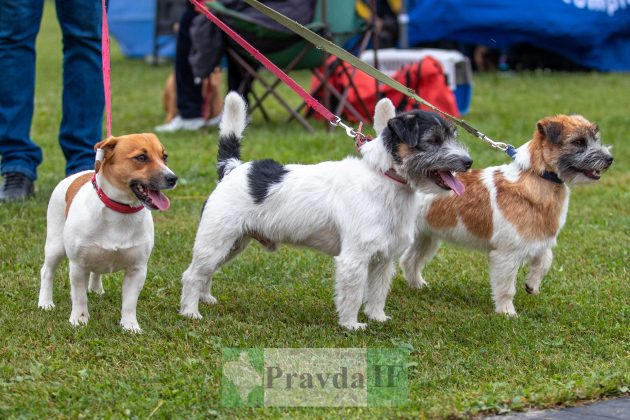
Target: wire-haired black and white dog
362	211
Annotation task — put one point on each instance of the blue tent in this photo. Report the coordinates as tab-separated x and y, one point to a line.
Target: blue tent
593	33
132	24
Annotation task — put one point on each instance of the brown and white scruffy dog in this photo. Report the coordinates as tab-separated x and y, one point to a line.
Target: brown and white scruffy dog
513	211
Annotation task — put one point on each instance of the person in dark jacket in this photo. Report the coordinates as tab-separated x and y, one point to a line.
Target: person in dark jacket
201	46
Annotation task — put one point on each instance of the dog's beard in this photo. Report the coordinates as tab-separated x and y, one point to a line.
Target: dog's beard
432	174
583	168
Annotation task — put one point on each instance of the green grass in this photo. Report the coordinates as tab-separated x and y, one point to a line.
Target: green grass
570	343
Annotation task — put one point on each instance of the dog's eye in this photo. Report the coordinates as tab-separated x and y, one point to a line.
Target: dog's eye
579	142
165	158
141	158
436	140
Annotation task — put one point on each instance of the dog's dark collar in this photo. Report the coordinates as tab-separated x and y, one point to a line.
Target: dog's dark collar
549	176
114	205
393	175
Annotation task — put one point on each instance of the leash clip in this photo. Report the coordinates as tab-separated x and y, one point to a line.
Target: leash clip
349	130
496	144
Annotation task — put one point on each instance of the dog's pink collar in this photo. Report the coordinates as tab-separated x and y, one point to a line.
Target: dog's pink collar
114	205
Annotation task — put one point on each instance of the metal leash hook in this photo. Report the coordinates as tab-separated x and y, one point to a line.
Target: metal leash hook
496	144
349	130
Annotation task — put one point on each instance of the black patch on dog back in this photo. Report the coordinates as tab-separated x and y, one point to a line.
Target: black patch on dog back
262	175
229	148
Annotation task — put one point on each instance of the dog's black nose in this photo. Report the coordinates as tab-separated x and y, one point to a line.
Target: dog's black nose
609	161
467	163
171	180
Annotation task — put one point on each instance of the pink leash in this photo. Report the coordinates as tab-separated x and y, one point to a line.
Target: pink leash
106	70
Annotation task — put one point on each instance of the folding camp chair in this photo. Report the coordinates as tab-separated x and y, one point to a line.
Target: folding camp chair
300	54
345	28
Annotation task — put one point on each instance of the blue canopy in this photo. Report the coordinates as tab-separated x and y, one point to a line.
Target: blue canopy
132	24
593	33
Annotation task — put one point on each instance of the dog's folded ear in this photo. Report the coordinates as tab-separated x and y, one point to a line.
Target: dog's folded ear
104	150
549	129
405	129
383	112
107	144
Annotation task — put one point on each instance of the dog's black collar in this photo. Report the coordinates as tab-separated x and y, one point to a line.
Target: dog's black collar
549	176
553	177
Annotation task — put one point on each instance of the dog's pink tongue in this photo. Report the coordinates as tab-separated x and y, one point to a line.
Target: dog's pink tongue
160	200
452	182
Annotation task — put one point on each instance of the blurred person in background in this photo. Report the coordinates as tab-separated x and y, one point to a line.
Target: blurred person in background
201	46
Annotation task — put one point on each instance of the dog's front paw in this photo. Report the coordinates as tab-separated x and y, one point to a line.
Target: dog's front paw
46	305
507	308
190	314
208	299
79	319
378	316
417	283
531	290
130	325
354	326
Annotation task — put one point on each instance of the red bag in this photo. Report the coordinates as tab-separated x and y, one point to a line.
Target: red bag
426	77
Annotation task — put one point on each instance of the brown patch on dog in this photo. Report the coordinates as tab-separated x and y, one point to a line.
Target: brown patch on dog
403	151
74	188
552	139
473	207
121	166
531	204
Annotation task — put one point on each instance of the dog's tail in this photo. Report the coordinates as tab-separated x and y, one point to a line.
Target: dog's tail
230	133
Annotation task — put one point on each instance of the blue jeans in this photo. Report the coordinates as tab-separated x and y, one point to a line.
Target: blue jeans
83	98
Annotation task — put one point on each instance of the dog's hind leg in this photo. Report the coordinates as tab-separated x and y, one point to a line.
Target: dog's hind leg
197	279
419	253
503	269
237	248
78	292
539	268
379	281
352	275
96	285
55	252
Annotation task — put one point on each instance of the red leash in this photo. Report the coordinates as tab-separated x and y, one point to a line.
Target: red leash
106	70
308	99
114	205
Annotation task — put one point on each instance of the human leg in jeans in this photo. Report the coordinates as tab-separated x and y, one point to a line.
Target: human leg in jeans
19	25
83	97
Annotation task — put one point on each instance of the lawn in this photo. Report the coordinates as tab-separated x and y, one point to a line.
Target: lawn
570	343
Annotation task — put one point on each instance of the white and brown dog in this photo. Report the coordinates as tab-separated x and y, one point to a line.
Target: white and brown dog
351	209
98	220
513	211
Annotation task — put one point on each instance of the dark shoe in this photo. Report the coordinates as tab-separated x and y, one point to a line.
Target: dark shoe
16	187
